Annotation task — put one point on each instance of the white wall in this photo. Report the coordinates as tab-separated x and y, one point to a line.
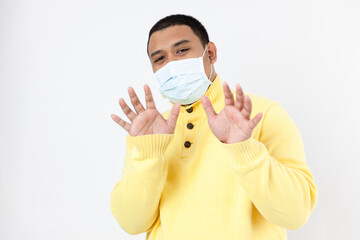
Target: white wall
64	65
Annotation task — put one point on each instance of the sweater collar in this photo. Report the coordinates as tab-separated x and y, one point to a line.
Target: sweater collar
214	93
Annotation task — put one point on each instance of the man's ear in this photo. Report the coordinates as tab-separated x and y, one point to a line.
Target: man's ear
212	52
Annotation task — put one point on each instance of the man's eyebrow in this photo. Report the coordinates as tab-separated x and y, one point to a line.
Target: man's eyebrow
155	53
174	45
180	42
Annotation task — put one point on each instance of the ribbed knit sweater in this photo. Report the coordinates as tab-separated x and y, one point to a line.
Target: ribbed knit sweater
190	186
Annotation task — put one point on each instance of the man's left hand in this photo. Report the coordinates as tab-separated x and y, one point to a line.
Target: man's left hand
233	123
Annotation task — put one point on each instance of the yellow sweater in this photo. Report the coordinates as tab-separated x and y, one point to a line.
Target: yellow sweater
190	186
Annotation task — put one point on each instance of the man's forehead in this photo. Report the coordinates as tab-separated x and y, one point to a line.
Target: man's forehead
167	37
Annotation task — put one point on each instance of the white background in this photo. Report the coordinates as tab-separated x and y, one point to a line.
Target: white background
65	64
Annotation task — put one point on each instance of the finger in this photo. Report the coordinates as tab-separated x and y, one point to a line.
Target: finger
135	101
121	122
239	103
173	116
210	112
229	97
246	111
255	120
128	112
150	104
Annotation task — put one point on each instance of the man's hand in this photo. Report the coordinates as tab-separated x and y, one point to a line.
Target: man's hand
146	121
233	123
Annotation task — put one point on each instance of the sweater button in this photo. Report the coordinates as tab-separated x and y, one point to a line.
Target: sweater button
187	144
190	126
189	110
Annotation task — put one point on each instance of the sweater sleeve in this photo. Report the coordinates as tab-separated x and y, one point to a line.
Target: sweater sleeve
273	171
135	198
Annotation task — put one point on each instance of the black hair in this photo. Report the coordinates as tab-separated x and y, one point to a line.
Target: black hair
181	19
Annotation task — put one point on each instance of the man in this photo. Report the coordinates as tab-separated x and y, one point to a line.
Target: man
220	164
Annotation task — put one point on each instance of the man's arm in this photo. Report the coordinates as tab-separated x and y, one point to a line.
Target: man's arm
274	173
272	170
135	198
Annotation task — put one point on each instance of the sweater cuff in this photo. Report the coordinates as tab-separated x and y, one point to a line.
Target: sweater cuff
245	152
150	146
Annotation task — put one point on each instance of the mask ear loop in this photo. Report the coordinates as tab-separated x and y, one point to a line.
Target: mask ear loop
211	64
204	51
211	72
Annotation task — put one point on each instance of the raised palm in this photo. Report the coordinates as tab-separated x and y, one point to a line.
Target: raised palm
233	123
146	121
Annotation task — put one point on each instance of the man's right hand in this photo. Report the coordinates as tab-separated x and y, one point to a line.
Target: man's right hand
146	121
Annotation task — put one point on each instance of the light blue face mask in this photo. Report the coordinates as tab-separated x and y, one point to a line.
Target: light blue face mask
183	81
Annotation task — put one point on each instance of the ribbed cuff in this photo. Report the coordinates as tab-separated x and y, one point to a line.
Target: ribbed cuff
245	152
151	146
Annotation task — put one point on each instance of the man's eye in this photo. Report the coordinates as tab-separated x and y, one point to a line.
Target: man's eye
183	50
158	59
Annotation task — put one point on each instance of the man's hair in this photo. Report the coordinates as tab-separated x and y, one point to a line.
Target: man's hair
181	19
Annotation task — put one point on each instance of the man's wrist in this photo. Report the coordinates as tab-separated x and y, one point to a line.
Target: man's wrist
245	152
151	145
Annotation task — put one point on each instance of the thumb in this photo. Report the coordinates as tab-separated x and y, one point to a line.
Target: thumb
253	122
173	116
210	112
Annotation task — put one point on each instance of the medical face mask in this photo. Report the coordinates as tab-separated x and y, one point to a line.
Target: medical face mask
183	81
